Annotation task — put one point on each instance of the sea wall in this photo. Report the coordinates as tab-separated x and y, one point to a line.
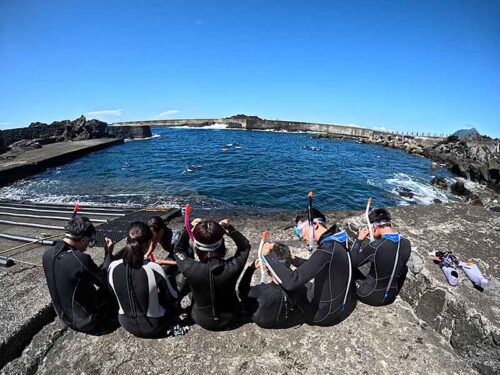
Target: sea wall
129	132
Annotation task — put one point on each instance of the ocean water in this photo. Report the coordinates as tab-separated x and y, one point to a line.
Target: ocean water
222	168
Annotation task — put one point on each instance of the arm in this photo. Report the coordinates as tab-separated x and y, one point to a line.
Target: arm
181	253
291	280
363	254
298	261
237	262
96	275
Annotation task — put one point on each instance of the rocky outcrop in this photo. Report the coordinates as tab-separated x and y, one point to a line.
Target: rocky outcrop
129	132
477	158
58	131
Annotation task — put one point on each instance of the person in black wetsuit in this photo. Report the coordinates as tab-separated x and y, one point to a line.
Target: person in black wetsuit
333	295
388	255
213	279
145	296
167	238
269	305
77	286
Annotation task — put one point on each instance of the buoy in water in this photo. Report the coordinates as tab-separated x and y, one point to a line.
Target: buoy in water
225	149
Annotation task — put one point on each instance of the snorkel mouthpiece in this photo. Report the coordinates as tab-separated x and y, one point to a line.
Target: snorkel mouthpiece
310	220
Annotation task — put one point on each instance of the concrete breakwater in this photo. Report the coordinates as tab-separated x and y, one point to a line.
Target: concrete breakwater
432	329
257	123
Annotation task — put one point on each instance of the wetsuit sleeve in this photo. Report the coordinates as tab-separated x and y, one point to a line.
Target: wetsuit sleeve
108	258
239	259
291	280
95	274
298	261
361	255
181	253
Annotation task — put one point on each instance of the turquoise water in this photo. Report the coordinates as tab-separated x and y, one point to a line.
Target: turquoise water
268	170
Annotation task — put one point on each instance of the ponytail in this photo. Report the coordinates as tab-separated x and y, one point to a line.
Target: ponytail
138	237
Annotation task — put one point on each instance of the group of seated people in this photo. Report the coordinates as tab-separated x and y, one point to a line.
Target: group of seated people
144	294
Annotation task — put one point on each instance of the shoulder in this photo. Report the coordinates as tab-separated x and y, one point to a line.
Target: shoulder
114	264
155	267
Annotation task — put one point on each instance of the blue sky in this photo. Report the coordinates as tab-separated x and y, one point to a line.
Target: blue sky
430	66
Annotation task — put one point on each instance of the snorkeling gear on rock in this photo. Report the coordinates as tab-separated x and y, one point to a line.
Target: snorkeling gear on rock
448	264
474	274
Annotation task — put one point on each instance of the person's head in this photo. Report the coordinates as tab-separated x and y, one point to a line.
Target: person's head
280	250
301	228
79	233
380	219
139	237
209	240
158	227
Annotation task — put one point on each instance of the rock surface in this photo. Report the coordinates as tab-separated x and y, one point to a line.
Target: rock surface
433	329
476	158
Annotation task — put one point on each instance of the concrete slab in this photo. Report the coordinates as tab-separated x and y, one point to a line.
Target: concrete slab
35	161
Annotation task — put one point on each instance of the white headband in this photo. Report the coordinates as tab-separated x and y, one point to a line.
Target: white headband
380	223
208	247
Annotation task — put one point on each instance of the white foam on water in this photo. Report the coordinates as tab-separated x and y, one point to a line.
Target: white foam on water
216	126
142	139
424	192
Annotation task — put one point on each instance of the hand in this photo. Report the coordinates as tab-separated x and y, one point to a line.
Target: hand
224	223
266	249
362	233
108	245
195	222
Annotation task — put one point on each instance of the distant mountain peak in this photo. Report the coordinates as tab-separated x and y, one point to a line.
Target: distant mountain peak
466	133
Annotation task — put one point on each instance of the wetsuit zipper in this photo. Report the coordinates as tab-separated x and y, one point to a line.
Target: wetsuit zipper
212	294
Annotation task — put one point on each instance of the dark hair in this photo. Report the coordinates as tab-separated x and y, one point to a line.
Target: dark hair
378	215
282	252
317	214
208	232
156	223
138	234
80	227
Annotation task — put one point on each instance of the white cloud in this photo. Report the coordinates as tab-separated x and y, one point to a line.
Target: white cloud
167	114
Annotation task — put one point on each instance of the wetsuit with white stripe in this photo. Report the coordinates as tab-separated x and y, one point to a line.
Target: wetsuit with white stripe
268	304
333	299
213	284
382	254
77	286
145	296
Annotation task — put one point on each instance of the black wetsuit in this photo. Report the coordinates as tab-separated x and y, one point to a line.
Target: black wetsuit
269	305
381	254
168	242
213	284
78	287
330	268
145	296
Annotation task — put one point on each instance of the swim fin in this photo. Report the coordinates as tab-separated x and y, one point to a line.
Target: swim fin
474	274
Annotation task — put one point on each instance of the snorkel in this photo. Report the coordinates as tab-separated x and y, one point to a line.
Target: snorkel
187	225
310	220
263	237
370	229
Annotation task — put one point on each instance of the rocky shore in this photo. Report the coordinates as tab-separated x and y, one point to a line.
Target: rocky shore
476	158
432	329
